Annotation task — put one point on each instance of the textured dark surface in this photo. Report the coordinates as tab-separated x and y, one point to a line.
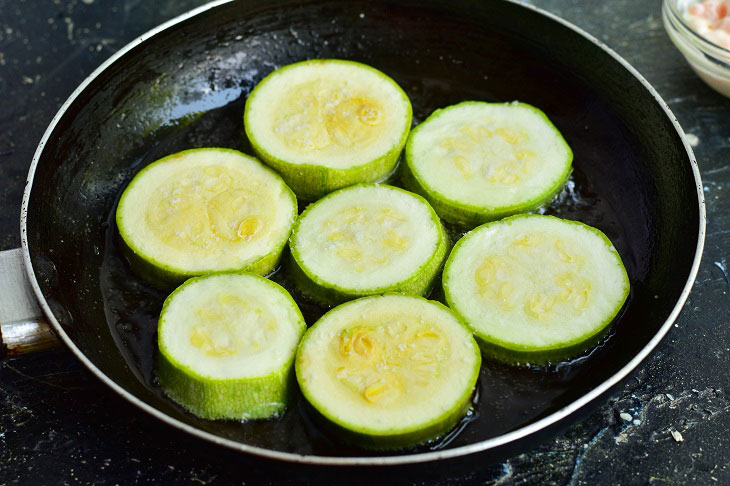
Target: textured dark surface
60	424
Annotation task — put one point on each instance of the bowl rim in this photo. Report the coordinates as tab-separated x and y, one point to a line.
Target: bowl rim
401	459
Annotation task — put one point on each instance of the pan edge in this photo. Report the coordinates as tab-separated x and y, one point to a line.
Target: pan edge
492	443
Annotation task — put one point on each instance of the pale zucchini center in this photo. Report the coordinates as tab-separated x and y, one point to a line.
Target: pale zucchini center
538	275
389	361
228	325
327	114
362	238
209	208
497	156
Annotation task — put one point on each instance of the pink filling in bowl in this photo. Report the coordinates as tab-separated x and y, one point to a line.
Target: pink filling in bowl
711	19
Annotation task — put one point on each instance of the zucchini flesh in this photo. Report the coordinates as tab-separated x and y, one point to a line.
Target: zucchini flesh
389	371
477	162
536	289
328	124
367	239
226	346
202	211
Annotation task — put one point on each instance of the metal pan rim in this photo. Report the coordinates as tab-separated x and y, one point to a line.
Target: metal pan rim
366	461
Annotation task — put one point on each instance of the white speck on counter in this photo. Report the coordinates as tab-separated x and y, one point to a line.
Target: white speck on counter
69	28
625	416
677	436
636	422
693	139
87	2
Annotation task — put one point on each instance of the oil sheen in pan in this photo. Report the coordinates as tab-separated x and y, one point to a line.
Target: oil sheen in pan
506	397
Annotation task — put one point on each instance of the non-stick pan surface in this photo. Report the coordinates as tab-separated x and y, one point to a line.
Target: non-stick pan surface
185	86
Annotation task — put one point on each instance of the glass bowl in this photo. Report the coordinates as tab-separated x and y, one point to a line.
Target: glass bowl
710	61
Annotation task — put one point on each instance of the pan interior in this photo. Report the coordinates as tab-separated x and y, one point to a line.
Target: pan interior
186	87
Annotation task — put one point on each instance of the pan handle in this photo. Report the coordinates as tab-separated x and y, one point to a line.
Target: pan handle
23	328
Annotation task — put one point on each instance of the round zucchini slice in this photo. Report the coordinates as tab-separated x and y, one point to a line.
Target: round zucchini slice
202	211
367	239
477	162
328	124
227	343
536	289
389	371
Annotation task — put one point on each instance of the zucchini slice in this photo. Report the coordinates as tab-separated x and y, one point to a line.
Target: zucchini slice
536	289
477	162
367	239
328	124
227	343
202	211
389	371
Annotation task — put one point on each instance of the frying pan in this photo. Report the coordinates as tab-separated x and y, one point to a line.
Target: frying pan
183	85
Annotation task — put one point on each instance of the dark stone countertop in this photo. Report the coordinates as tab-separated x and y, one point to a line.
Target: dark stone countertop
60	425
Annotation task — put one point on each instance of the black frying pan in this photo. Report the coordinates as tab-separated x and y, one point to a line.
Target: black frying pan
184	85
